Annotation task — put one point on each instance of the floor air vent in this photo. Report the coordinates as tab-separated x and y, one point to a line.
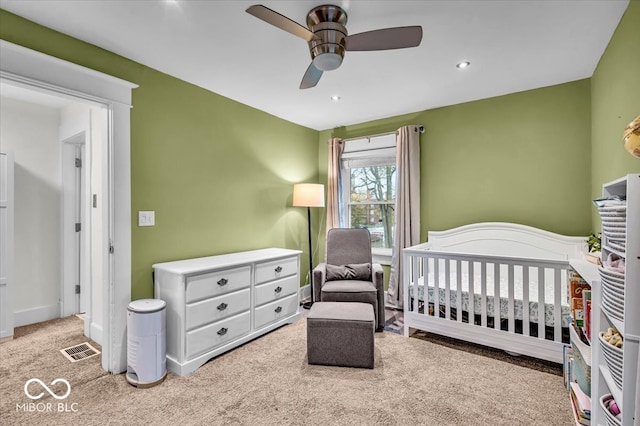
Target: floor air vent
79	352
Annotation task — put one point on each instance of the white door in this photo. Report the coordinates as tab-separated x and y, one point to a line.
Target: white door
74	226
6	246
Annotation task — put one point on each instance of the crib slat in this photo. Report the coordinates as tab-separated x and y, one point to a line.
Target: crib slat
541	306
483	293
414	280
458	290
496	296
511	307
525	300
557	320
406	271
436	287
447	292
471	292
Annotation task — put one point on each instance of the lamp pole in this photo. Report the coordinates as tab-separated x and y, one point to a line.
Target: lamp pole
309	195
308	305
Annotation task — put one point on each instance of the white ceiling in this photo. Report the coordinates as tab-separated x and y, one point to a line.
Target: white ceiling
512	45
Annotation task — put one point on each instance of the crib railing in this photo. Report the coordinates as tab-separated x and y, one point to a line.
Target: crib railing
487	327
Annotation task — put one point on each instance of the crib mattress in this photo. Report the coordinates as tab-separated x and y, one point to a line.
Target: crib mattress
504	304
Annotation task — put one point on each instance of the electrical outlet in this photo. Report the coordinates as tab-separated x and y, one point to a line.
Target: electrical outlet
146	218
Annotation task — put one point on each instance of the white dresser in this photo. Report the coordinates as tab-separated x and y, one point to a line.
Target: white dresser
219	302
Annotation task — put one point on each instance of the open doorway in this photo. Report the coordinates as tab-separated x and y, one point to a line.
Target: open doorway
58	152
26	68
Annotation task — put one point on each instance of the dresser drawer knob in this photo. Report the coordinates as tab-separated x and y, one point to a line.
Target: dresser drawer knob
222	281
278	269
222	331
278	309
222	306
278	289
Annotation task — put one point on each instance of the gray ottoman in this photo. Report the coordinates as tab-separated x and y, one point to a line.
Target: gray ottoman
341	333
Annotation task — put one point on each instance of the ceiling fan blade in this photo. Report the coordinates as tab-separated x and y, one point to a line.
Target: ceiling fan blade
311	77
277	20
385	39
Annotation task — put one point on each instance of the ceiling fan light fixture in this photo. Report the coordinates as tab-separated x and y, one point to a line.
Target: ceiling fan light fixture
327	61
328	38
463	65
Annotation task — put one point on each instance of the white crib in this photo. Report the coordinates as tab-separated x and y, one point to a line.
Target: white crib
484	283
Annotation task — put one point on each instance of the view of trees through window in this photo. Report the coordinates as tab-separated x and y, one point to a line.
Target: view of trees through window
372	202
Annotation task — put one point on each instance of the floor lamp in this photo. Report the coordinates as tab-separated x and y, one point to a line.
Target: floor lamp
309	195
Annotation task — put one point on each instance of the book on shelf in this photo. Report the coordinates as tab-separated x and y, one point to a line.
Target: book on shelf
567	364
577	311
581	404
576	285
586	304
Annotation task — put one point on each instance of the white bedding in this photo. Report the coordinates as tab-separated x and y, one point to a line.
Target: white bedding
504	295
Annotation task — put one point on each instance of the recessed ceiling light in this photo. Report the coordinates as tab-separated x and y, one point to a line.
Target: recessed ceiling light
335	98
464	64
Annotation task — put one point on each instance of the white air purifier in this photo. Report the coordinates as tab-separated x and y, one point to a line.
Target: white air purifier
146	342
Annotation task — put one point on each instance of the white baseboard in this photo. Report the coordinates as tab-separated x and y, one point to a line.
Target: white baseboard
34	315
96	333
305	292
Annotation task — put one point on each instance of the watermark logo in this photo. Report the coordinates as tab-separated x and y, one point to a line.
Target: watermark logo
47	407
47	388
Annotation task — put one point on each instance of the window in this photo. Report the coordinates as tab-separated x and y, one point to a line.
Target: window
369	190
372	200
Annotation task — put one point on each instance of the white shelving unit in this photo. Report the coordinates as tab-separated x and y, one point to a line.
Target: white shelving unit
625	317
589	272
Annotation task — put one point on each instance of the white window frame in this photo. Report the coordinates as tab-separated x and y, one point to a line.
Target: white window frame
365	152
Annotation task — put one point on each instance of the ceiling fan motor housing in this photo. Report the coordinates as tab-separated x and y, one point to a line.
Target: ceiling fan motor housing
329	43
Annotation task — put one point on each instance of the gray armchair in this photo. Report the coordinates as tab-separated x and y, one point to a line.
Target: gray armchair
349	274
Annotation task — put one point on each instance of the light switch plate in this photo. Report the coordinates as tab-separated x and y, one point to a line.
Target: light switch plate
146	218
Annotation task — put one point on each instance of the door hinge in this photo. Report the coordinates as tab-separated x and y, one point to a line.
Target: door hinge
77	289
78	227
78	162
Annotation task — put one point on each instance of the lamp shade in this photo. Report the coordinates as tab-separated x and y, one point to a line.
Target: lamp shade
308	195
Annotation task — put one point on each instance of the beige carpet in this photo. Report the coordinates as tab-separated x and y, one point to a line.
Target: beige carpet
268	381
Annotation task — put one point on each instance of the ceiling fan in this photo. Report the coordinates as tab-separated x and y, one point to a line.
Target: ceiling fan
328	38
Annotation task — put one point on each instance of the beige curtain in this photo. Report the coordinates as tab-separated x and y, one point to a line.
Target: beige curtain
336	147
407	226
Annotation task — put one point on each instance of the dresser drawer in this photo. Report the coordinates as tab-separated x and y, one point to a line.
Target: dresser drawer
216	334
217	308
277	269
273	311
216	283
276	290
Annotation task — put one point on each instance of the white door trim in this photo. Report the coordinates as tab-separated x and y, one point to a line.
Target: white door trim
26	67
7	319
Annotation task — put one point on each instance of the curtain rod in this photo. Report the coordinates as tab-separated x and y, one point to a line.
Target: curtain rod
420	128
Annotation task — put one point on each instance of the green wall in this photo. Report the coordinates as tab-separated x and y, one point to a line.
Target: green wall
536	157
523	157
615	92
218	173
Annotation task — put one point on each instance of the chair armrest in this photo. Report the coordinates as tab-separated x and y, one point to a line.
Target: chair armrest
319	276
377	276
